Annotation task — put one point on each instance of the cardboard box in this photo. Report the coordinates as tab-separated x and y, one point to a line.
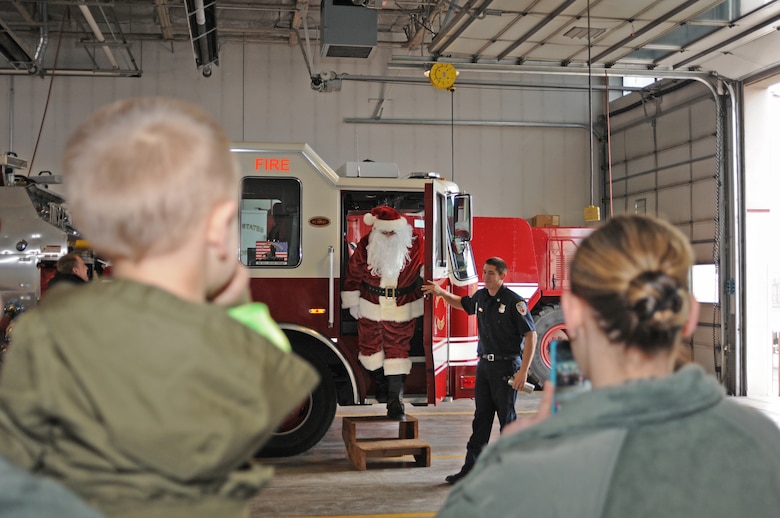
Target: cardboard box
545	220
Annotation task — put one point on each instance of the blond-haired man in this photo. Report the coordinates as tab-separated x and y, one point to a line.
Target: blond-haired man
143	395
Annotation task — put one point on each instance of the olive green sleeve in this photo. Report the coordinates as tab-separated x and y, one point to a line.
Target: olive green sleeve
23	414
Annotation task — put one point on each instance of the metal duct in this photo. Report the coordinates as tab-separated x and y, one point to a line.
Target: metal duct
43	42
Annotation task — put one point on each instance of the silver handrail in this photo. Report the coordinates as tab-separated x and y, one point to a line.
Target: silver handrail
331	286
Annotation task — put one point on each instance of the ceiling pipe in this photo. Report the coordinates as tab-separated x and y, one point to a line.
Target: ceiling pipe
43	41
98	34
465	122
74	73
407	63
477	83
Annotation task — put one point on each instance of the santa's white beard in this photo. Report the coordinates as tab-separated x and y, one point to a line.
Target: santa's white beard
387	255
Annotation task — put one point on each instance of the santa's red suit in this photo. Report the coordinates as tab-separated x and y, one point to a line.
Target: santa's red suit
386	307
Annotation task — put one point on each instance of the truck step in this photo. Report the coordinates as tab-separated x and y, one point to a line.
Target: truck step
405	443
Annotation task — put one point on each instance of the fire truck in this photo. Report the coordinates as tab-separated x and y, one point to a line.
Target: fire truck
300	221
538	269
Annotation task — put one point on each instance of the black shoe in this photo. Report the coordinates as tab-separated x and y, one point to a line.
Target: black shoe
395	410
451	479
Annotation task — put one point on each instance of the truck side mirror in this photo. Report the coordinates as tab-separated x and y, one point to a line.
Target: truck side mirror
461	220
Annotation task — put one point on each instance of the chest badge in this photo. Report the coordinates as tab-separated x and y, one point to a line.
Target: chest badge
502	308
522	307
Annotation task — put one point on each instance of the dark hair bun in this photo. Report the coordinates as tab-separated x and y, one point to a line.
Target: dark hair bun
656	292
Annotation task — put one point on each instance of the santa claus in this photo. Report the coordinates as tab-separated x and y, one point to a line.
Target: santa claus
382	291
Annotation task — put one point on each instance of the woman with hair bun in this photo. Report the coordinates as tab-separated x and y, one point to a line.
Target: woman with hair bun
648	439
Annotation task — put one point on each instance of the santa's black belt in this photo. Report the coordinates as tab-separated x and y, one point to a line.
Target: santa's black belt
392	292
496	357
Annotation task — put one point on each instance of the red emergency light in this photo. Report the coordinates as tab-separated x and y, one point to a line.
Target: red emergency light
468	382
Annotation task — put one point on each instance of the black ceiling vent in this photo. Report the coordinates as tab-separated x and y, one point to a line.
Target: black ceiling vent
347	30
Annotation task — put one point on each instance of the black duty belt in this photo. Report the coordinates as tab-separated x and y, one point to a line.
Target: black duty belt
497	357
392	292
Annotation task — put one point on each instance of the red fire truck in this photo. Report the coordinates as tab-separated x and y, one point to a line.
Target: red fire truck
300	220
538	263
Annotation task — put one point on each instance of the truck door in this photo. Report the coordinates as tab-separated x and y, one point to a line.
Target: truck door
450	334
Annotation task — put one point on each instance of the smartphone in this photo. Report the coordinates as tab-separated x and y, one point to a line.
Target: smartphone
564	373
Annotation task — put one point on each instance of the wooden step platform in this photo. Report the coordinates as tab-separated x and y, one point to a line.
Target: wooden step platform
405	443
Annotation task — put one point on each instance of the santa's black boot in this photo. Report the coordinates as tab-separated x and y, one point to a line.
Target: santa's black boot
381	385
395	397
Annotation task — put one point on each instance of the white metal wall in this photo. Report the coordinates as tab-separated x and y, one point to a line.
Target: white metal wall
262	93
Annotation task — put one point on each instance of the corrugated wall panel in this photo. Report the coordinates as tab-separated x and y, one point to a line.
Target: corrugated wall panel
668	151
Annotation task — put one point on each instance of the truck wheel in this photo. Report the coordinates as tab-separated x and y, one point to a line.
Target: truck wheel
309	422
549	327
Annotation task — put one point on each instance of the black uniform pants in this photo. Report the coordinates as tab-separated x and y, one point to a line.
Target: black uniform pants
492	396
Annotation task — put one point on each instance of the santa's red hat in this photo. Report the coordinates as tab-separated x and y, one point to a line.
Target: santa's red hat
384	219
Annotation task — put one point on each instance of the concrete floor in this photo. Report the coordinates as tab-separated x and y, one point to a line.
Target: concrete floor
323	483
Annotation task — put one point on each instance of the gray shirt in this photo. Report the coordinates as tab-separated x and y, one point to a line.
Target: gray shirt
671	446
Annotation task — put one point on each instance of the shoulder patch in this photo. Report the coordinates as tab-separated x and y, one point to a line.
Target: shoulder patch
522	307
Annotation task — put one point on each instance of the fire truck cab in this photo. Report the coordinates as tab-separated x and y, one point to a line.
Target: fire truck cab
299	222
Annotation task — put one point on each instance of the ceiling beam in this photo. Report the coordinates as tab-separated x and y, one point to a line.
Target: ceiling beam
164	19
450	33
536	28
644	30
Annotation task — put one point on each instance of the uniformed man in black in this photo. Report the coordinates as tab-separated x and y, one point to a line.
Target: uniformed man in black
506	331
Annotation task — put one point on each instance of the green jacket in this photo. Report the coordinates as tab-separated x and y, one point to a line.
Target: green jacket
672	446
143	403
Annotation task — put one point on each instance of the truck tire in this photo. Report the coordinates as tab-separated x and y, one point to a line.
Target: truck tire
309	422
549	327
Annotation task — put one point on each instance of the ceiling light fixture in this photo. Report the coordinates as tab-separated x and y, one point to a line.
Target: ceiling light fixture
202	24
577	33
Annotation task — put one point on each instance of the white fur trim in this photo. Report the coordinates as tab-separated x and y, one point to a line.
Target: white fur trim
350	299
389	311
397	366
389	224
373	361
